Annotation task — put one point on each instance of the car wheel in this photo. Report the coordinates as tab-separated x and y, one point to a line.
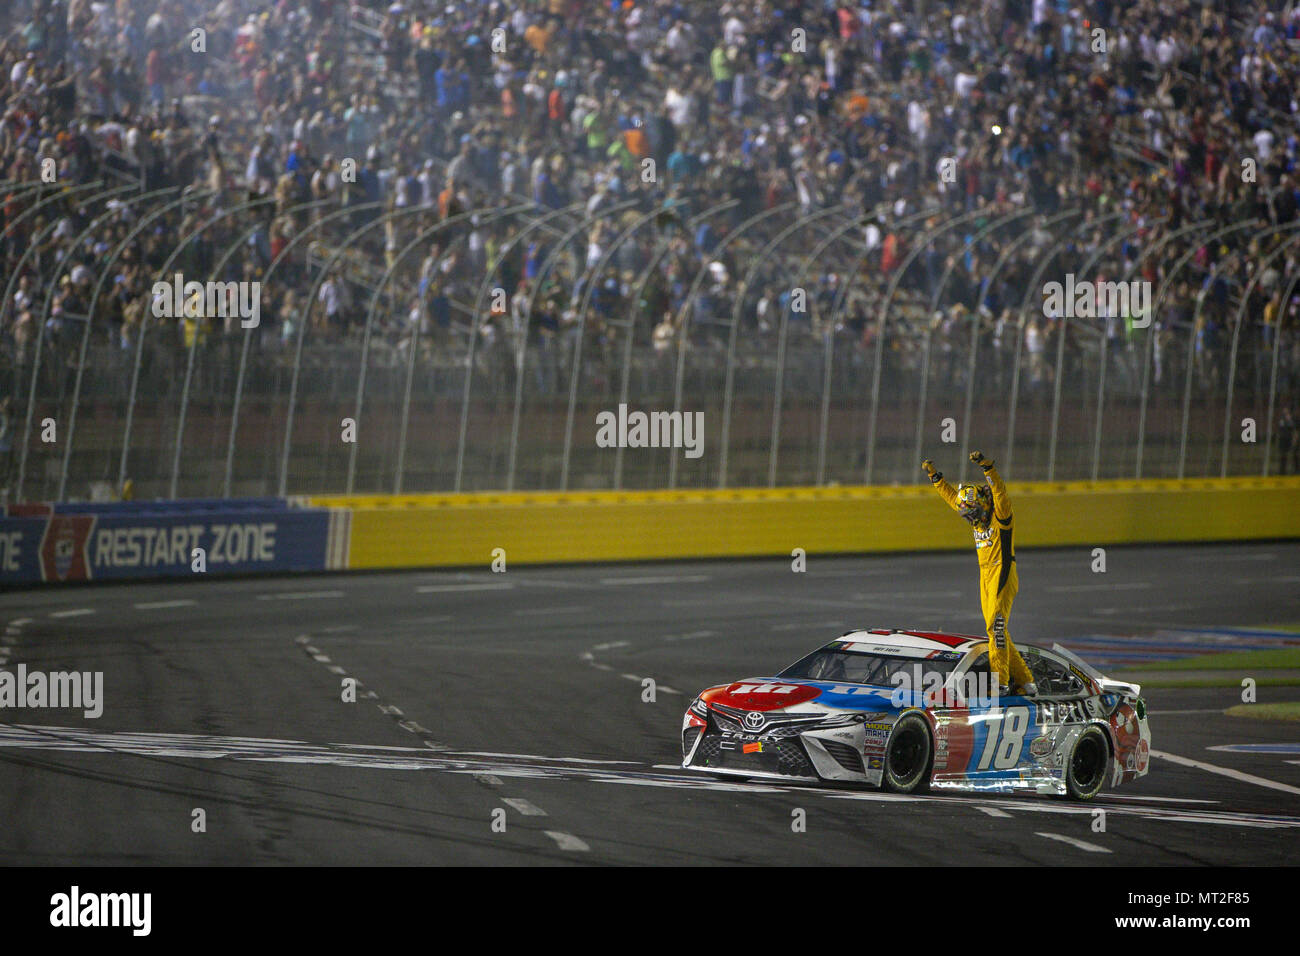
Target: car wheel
1085	773
908	755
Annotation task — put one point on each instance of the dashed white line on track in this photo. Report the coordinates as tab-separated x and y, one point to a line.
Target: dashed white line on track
901	595
531	582
73	612
994	812
805	625
1130	611
862	573
575	760
659	579
1080	844
389	710
300	595
161	605
1117	586
567	841
450	588
523	806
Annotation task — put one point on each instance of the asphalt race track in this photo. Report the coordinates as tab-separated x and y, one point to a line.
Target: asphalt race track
522	693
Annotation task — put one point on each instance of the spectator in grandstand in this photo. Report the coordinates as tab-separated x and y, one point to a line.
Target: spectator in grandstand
861	110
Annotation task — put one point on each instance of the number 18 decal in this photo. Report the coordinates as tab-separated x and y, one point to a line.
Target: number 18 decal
1002	744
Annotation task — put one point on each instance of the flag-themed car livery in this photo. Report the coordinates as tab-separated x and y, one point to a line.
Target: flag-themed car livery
905	709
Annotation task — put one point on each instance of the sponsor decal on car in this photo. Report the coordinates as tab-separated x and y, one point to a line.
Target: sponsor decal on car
1072	712
758	695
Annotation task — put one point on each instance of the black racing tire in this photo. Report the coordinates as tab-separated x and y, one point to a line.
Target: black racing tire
1089	765
909	755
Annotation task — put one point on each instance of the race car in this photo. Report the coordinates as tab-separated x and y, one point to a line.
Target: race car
906	710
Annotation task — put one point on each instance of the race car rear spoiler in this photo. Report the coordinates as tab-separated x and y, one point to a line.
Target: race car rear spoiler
1107	684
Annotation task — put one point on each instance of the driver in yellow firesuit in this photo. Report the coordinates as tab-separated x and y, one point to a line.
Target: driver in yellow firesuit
988	510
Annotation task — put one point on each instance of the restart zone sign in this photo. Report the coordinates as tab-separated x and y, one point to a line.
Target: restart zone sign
106	546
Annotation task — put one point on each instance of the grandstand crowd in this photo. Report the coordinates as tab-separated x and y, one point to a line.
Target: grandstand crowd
627	161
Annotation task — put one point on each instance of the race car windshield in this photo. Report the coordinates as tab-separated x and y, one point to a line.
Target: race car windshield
879	669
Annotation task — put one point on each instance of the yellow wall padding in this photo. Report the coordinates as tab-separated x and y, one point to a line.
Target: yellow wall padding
535	527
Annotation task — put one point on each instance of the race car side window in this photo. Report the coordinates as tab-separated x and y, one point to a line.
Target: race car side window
977	679
1053	677
980	665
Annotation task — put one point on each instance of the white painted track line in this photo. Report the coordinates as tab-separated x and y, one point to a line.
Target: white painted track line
1118	586
523	806
451	588
300	595
1080	844
658	579
567	841
1226	772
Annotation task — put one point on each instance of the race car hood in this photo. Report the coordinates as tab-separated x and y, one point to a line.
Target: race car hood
775	693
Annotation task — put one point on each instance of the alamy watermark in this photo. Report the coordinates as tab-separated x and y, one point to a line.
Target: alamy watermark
205	300
77	909
1088	300
918	683
58	690
638	429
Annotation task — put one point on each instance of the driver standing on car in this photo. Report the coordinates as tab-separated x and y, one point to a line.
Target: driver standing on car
988	510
